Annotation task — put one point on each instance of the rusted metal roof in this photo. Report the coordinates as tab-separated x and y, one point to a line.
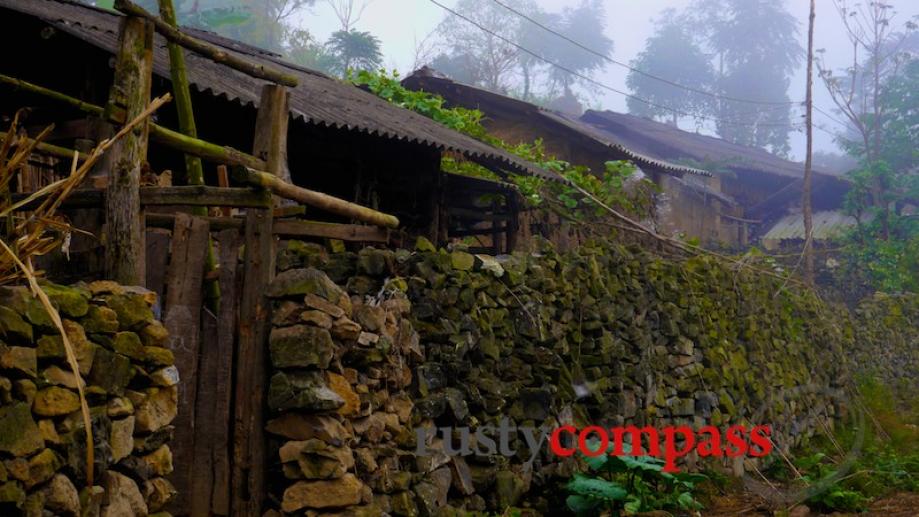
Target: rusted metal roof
318	99
429	80
827	224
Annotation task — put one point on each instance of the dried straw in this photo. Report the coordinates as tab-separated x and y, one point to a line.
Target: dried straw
31	237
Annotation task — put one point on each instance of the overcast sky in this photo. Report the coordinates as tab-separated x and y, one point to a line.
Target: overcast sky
402	24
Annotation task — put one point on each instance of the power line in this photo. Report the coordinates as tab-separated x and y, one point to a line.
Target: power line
595	82
636	70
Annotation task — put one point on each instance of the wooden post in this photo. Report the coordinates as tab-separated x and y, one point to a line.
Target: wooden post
248	473
124	236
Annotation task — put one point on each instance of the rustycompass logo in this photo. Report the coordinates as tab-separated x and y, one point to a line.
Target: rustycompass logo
670	443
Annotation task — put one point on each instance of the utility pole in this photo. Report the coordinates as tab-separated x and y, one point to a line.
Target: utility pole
806	207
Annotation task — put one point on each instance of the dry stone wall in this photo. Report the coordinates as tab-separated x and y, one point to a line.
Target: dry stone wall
130	384
368	347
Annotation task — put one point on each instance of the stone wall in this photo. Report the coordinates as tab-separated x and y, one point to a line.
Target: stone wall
130	385
386	342
887	342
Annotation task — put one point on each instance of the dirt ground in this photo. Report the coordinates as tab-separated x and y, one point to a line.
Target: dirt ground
897	505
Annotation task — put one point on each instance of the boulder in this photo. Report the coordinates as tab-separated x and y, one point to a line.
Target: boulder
300	346
55	401
338	493
157	410
300	282
61	497
19	435
301	390
122	496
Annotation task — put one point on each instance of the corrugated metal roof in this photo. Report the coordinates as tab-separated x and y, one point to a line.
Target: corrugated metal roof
827	225
428	80
318	99
666	142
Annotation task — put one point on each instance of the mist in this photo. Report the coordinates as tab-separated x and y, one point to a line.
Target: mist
406	27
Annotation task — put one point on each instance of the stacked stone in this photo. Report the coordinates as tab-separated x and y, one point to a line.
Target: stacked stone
338	393
604	335
129	380
887	341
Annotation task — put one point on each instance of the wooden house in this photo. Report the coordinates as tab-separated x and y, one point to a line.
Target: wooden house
692	203
343	141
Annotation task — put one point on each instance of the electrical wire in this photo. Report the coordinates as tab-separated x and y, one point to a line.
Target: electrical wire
598	83
639	71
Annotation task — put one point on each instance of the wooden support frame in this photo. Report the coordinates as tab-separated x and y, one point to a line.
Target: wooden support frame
248	473
124	235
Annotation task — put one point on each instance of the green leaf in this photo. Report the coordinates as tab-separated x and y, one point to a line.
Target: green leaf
596	488
580	504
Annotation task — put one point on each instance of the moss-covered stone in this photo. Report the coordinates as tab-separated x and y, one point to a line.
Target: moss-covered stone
12	327
71	302
19	434
300	346
132	310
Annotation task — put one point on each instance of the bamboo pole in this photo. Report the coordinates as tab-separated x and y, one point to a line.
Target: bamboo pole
124	236
311	197
206	49
50	149
165	136
194	171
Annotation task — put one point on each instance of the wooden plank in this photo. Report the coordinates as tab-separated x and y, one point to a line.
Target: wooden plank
198	195
228	245
124	238
248	474
475	231
159	220
345	232
182	317
481	215
158	196
201	481
157	260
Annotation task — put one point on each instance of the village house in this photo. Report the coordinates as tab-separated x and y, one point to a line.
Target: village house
723	194
343	141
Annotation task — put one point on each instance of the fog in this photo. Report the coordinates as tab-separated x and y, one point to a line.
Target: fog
403	26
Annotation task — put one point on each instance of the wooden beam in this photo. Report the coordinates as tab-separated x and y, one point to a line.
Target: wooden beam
483	215
124	237
159	134
159	196
319	200
476	231
205	196
248	487
160	220
344	232
207	150
207	50
274	106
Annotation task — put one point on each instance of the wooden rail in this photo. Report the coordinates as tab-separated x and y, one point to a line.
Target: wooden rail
286	228
311	197
50	149
159	196
206	49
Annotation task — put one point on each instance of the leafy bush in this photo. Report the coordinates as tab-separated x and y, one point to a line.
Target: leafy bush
609	186
630	484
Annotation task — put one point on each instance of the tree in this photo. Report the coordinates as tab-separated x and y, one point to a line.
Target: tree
304	49
755	50
483	58
672	52
584	24
354	50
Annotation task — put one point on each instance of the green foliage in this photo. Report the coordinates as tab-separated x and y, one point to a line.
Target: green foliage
887	462
569	201
630	484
